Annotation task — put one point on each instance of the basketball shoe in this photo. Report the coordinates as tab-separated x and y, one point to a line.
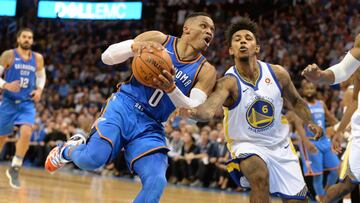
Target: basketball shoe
13	174
55	159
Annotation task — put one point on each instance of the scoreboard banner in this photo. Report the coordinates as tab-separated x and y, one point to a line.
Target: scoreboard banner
90	10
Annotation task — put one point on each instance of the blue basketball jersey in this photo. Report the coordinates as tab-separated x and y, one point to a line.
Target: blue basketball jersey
24	71
318	115
155	102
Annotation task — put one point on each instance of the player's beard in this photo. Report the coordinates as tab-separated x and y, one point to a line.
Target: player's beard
25	46
244	58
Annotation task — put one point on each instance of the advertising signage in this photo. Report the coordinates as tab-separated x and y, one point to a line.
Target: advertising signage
7	7
90	10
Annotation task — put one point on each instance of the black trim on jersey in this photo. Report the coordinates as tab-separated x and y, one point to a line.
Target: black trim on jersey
275	78
166	40
118	86
178	57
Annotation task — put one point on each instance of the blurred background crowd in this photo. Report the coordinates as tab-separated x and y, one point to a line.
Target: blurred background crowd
292	33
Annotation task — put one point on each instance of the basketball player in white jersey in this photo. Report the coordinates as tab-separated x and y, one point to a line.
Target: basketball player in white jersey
252	93
350	172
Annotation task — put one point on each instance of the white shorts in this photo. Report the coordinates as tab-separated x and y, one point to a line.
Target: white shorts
285	177
351	162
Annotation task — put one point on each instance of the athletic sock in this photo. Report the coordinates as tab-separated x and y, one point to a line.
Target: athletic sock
17	161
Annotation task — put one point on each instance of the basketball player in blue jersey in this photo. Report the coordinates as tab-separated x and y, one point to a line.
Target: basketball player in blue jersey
132	118
23	83
324	159
252	93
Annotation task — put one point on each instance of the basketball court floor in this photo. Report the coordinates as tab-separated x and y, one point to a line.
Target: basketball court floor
64	187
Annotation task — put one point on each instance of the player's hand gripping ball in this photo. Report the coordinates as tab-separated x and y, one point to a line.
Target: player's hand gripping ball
149	64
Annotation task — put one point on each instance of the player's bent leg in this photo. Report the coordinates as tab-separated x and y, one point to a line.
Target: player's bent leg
92	155
338	191
55	159
256	172
151	170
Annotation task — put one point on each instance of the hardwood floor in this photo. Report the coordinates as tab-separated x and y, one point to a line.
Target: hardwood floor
41	187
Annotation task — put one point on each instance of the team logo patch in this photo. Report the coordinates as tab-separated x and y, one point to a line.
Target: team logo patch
260	114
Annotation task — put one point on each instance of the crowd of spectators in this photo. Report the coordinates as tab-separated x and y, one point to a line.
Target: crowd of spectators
292	34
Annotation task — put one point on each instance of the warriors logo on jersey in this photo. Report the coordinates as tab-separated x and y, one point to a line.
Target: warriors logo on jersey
260	114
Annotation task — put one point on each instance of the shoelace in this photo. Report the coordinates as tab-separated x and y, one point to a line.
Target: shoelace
56	160
78	139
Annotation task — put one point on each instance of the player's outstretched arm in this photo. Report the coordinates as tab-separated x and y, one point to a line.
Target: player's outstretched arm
299	127
300	106
339	72
345	120
338	137
120	52
351	108
223	89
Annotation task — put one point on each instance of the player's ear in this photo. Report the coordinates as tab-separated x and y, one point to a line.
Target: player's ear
231	51
257	49
186	29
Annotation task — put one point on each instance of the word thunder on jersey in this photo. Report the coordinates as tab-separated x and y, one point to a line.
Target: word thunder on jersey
256	115
24	71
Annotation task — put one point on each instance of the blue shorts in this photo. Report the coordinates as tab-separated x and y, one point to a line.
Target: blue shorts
125	125
325	159
15	113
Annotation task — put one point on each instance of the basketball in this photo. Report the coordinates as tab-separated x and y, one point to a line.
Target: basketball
149	65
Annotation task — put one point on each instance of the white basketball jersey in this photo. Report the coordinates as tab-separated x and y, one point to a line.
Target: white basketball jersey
256	115
355	122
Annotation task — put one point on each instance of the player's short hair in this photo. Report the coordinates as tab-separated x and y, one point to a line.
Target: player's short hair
23	30
196	14
242	24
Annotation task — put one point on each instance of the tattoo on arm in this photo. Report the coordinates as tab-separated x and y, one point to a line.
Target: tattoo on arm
207	110
302	110
290	93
